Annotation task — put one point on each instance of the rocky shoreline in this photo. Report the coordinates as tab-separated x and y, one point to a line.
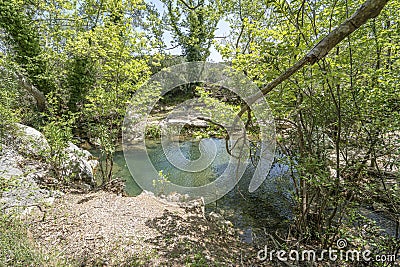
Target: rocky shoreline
102	227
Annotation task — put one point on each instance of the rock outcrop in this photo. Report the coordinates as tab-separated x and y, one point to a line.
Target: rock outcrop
25	168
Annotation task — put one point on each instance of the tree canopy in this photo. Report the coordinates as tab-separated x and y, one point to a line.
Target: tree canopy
330	71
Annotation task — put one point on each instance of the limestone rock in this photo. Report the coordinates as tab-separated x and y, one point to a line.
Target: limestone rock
79	165
24	166
29	141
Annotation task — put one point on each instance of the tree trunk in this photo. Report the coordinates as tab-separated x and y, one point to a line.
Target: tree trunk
370	9
27	85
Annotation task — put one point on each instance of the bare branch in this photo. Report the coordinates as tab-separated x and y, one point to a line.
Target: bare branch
188	6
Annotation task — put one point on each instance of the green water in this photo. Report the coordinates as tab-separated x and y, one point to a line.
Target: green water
267	207
265	210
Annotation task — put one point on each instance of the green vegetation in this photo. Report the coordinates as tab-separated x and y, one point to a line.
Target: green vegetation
161	183
337	114
17	248
193	24
70	68
9	95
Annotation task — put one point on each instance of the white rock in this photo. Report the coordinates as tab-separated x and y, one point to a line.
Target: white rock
79	165
30	141
23	163
9	160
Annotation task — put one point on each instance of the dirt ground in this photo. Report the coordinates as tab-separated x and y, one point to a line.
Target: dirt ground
105	229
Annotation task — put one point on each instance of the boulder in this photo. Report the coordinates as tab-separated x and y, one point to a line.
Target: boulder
18	177
28	141
24	166
9	162
79	165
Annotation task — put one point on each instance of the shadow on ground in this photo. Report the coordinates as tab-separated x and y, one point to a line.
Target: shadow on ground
193	240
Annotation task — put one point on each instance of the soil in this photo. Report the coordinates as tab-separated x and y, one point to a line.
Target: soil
105	229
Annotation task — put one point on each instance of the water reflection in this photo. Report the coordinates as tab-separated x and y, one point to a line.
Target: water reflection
269	206
265	210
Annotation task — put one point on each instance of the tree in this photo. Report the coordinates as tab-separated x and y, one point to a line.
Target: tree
98	58
23	41
320	97
193	24
112	57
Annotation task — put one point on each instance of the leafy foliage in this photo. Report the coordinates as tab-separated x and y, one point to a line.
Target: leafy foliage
334	116
193	24
9	111
338	120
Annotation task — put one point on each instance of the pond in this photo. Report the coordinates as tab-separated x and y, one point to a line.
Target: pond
269	206
265	210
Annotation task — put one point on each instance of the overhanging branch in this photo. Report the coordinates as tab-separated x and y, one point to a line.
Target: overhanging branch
370	9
